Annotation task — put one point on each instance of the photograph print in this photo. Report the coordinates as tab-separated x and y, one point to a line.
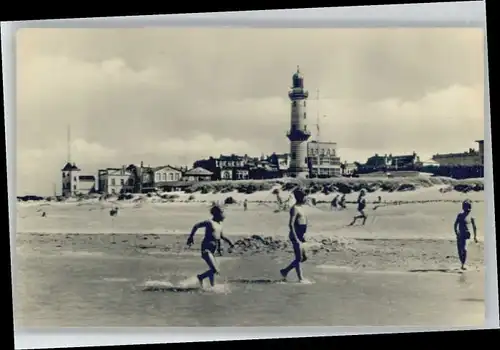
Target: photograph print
249	177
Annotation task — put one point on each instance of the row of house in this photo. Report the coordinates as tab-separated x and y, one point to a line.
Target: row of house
129	179
235	167
322	159
469	158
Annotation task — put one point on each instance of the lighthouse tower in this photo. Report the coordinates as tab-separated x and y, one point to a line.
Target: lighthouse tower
298	134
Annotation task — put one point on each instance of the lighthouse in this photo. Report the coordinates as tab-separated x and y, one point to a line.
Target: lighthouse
298	133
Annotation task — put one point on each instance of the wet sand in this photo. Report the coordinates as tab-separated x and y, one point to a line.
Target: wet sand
355	254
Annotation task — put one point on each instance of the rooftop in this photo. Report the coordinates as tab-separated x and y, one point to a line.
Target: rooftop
86	177
198	172
70	167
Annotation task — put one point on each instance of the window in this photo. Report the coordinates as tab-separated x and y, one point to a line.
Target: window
294	103
164	177
158	177
113	182
305	115
304	103
74	187
293	155
74	178
122	182
170	177
177	176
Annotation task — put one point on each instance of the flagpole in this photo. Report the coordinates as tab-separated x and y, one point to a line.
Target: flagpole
317	134
317	115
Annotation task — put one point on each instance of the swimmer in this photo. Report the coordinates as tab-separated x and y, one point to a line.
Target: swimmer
361	208
211	242
464	225
298	228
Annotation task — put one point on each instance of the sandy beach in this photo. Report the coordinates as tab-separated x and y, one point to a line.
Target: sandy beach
408	241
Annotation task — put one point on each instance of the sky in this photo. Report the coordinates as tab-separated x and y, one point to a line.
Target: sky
174	95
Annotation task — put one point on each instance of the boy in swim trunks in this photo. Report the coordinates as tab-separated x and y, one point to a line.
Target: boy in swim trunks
464	225
211	242
361	208
298	228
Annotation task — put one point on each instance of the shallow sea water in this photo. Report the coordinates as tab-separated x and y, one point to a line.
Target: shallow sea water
76	288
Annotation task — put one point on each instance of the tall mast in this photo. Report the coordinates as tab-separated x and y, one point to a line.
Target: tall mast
317	116
69	144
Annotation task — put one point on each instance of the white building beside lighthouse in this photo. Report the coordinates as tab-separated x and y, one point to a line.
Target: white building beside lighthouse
298	133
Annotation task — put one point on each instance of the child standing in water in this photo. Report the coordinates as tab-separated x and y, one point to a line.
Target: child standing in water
298	228
361	208
211	242
464	225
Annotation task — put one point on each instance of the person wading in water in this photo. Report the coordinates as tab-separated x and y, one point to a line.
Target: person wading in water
211	243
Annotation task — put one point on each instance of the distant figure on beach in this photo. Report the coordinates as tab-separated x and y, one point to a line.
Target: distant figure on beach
342	202
464	225
282	205
44	214
334	203
114	211
211	242
279	201
298	227
361	208
245	204
378	203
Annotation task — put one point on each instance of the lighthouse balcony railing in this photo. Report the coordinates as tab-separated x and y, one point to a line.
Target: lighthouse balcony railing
299	134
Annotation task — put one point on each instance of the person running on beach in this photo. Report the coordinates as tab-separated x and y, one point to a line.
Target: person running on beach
211	242
342	202
464	225
334	202
361	208
298	227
